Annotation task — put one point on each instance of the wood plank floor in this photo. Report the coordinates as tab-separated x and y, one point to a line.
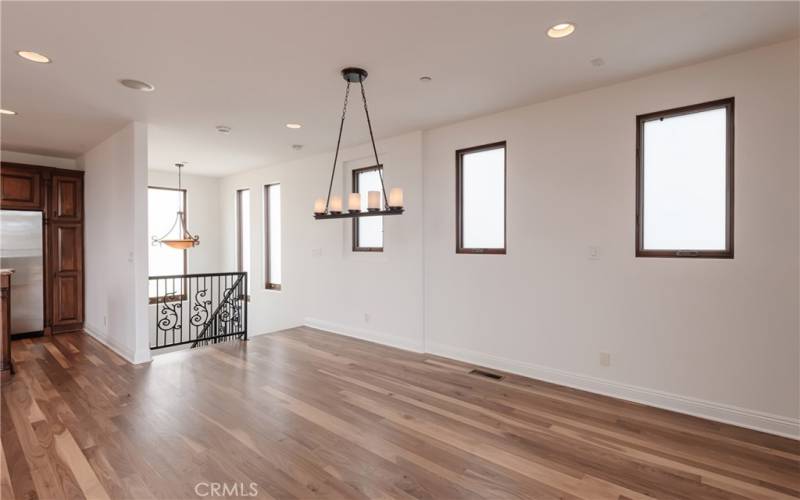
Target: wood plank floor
307	414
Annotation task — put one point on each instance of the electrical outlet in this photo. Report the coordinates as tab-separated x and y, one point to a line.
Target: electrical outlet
594	253
366	317
605	359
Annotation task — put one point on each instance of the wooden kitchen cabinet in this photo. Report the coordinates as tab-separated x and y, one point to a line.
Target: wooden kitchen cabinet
58	194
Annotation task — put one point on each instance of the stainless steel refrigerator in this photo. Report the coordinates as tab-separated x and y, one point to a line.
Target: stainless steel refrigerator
21	250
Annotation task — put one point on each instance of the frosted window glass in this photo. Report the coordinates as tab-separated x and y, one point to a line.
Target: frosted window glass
483	199
162	208
370	229
274	236
243	211
684	183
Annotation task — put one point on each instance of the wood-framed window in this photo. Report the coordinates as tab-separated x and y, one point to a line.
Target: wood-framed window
243	241
684	181
368	231
481	199
163	203
272	236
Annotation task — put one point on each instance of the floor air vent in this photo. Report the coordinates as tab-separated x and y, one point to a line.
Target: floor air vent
484	373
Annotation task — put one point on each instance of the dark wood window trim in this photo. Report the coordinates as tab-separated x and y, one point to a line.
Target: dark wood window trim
181	297
727	253
356	173
239	232
459	199
268	243
240	236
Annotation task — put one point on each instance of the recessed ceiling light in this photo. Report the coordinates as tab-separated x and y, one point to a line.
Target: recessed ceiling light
297	147
597	61
293	125
7	112
425	78
561	30
33	56
223	129
137	85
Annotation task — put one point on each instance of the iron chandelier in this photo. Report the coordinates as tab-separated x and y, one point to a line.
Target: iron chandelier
378	203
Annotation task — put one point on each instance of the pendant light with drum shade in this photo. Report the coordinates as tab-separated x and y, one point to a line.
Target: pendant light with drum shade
331	207
184	239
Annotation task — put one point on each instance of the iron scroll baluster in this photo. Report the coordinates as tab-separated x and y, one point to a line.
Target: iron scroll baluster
189	312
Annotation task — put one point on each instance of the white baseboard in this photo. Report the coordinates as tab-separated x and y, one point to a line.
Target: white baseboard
751	419
364	334
126	353
742	417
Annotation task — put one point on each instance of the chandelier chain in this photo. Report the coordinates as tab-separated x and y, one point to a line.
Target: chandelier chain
338	144
372	139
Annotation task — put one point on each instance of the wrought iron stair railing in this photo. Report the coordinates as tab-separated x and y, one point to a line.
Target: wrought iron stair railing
197	309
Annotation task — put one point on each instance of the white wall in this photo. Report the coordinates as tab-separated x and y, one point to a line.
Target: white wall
712	337
324	283
716	338
202	217
116	242
41	160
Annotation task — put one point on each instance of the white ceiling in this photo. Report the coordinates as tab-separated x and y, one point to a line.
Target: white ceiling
256	66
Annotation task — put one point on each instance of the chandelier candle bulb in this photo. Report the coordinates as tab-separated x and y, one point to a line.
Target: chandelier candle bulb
396	198
336	205
354	202
373	201
319	206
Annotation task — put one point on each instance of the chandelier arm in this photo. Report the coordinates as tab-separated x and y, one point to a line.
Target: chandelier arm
184	231
170	230
338	144
186	234
372	139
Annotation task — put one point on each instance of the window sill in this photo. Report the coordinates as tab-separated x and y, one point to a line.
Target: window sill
482	251
167	298
686	254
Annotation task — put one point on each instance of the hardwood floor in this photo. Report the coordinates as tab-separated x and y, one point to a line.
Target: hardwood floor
307	414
